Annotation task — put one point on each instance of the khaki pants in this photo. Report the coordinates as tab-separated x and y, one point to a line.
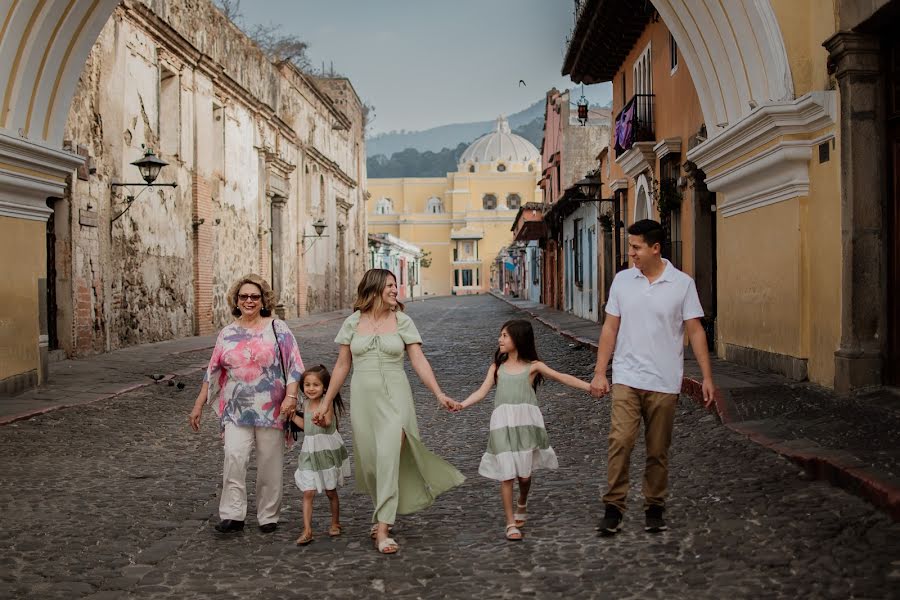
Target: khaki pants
239	441
629	406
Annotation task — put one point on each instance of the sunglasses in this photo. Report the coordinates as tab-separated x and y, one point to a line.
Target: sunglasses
245	297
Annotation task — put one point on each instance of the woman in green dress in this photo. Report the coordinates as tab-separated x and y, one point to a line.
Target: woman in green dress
391	463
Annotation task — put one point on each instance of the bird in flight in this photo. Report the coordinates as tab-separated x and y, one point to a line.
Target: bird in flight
521	82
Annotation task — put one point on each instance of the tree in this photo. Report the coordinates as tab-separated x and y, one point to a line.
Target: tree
279	46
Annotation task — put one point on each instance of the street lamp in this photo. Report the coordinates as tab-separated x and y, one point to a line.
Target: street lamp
149	166
582	108
590	186
319	226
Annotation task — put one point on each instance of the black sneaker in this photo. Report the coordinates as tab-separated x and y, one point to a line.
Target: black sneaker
653	519
229	526
611	522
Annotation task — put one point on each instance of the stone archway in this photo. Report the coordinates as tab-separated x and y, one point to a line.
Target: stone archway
735	54
43	49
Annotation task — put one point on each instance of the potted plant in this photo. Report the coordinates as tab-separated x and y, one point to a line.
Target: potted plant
606	221
668	196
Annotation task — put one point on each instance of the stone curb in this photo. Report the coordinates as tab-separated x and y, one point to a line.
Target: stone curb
134	386
838	469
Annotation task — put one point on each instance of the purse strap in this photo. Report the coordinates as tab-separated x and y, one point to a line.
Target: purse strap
280	356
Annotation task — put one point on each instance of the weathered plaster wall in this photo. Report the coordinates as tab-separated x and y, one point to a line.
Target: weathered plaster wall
238	133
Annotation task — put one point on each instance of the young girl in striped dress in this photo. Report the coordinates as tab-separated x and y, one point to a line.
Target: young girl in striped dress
323	462
518	443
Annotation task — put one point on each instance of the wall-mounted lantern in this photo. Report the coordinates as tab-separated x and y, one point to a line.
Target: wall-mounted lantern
319	226
590	186
582	108
149	166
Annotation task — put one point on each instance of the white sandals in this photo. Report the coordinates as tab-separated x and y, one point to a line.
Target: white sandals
520	517
388	546
513	533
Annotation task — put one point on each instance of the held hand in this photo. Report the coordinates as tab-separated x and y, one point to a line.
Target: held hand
288	408
709	393
599	385
319	418
447	402
194	417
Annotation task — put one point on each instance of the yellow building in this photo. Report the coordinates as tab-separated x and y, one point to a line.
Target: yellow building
464	219
798	147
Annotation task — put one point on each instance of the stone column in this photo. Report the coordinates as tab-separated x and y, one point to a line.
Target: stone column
857	63
277	258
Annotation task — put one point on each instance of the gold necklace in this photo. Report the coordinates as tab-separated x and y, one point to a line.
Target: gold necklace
376	325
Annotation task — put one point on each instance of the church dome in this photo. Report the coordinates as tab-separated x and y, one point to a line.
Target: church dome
500	145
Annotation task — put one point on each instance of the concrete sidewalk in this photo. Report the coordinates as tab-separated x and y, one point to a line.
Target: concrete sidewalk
82	381
851	441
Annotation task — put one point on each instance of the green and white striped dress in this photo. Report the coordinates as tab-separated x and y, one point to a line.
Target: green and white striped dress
323	462
518	442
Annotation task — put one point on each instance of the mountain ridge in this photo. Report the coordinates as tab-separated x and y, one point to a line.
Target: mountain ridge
450	135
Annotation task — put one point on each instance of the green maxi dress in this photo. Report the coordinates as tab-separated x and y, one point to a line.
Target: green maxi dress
401	477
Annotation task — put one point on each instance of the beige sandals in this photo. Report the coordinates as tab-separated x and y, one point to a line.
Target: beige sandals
520	517
513	533
388	546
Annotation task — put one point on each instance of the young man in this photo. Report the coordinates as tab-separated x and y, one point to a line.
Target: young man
649	309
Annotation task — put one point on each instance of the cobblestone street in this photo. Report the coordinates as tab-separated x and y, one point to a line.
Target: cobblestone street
117	499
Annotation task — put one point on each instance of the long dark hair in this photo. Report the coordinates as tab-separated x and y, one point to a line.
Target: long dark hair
522	335
324	376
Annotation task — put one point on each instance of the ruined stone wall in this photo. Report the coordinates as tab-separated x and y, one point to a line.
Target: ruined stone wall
240	136
133	273
341	91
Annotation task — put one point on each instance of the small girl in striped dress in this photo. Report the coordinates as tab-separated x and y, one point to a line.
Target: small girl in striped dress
323	462
518	442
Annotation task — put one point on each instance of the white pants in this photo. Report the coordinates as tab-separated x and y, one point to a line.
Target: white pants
269	472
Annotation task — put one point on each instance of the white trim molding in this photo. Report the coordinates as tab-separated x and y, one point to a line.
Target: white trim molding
807	114
466	234
667	146
618	184
638	159
31	172
777	174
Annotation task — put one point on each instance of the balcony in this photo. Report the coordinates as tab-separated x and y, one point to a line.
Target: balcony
602	37
634	123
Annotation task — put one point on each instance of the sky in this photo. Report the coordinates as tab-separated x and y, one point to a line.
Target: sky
423	63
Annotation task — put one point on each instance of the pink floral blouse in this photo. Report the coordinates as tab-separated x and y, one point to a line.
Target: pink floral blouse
246	382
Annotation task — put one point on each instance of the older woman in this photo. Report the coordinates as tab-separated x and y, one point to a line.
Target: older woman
252	383
392	464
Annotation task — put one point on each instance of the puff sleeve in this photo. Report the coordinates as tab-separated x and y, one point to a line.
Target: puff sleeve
347	329
407	329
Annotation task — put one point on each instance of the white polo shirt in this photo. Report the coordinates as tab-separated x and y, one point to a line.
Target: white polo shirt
649	351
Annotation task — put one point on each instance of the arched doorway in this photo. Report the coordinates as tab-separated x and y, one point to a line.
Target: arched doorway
642	208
